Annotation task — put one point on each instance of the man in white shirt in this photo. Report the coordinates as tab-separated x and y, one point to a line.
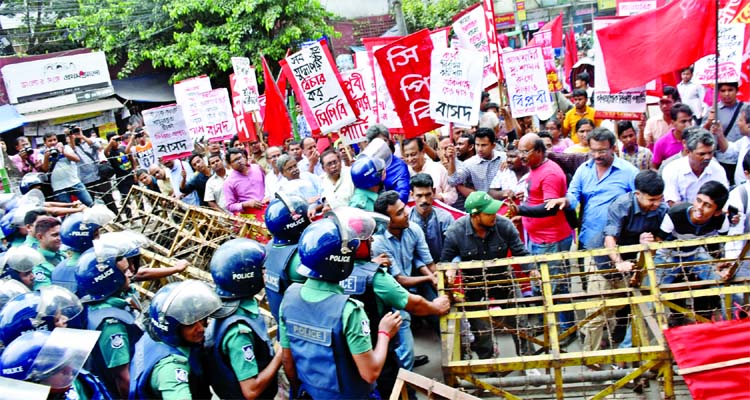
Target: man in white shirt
273	176
691	93
310	161
686	175
214	194
337	181
414	156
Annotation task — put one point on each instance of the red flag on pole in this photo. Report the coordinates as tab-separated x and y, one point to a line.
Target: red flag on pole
571	54
276	121
556	26
644	38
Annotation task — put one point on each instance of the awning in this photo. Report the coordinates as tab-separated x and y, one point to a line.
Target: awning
10	118
148	88
75	109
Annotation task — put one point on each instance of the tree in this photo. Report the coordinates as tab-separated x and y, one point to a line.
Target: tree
30	25
432	14
194	37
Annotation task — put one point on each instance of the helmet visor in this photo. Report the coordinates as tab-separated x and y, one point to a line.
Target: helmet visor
10	289
63	356
58	302
190	302
23	258
99	215
379	149
119	244
15	389
357	223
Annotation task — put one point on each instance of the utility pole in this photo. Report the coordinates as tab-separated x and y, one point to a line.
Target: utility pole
399	13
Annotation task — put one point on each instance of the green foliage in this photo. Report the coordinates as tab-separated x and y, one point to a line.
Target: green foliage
432	14
195	37
31	25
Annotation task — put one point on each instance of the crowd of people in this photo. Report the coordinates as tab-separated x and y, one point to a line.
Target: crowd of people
357	232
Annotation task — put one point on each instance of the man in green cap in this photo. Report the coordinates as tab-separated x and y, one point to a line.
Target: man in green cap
484	235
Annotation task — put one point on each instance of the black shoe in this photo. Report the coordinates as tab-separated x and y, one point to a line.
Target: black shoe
568	340
421	360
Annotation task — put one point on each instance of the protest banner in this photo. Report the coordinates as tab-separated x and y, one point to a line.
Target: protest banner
243	118
405	65
209	116
544	40
526	78
456	78
358	83
731	41
168	132
246	84
183	89
385	110
317	83
623	105
488	6
440	37
471	29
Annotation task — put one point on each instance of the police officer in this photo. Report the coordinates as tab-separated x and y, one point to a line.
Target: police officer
241	362
103	280
321	326
47	232
286	218
378	290
166	361
48	308
367	177
9	289
55	359
78	232
19	264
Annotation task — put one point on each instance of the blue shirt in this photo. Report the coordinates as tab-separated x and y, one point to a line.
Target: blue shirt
406	253
433	227
596	194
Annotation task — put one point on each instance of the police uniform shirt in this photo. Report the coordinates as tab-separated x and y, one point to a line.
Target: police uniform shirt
43	272
170	376
239	345
388	291
363	199
292	269
114	342
355	322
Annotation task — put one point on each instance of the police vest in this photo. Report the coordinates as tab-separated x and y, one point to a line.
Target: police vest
148	353
64	275
94	323
276	278
359	286
317	341
218	368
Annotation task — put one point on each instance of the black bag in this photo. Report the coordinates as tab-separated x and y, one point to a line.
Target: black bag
106	172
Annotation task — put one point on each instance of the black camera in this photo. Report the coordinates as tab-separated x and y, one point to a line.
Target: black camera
54	153
139	133
74	129
28	150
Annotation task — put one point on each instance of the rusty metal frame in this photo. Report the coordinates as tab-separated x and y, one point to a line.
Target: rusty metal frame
648	305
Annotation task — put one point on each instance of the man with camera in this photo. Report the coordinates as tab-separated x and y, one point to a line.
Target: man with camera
60	162
141	148
95	175
27	159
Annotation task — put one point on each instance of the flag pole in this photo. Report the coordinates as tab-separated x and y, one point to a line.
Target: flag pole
716	65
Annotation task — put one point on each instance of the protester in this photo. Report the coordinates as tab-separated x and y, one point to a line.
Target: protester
244	186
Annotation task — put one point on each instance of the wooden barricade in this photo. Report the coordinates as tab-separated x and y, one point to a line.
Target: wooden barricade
572	372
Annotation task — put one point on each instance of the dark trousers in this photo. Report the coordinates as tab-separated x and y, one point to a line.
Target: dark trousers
102	189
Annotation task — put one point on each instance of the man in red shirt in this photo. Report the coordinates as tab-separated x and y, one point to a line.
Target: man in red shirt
548	230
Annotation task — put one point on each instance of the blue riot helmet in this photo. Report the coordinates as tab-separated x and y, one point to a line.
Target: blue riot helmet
379	149
43	310
367	172
180	304
361	225
8	201
79	230
102	270
50	358
6	223
19	262
326	250
9	289
31	201
286	218
236	268
30	180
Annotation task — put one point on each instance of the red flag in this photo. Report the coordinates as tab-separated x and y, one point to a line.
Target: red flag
637	49
281	82
276	121
571	54
556	26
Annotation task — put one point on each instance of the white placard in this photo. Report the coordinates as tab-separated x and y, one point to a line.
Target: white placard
456	86
359	83
209	116
185	88
527	82
168	131
247	83
471	30
731	38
